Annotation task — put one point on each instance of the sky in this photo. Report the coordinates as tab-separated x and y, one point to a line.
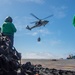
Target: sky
57	37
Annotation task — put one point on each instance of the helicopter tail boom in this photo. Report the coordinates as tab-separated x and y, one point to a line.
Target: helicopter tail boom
28	27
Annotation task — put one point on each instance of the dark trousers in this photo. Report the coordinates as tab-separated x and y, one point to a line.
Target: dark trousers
11	37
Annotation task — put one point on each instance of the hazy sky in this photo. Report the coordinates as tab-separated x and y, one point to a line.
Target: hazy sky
57	37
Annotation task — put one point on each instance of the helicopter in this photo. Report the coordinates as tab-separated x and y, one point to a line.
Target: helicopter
40	22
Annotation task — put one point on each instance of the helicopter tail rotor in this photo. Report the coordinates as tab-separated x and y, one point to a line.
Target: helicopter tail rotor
28	27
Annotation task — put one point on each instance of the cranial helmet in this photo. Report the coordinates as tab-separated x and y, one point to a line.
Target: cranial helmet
8	19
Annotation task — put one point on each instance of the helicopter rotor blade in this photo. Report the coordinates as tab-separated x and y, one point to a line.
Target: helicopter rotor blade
48	16
33	22
35	16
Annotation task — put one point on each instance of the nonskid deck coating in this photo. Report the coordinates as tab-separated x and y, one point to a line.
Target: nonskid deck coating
64	64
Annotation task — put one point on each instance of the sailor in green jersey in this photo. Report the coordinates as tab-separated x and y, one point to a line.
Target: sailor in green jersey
74	21
8	29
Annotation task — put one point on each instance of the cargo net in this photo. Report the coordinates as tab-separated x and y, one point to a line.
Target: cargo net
10	62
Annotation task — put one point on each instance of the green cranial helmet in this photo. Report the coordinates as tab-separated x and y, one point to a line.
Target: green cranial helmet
8	19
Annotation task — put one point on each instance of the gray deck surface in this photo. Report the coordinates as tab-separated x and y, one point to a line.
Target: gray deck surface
63	64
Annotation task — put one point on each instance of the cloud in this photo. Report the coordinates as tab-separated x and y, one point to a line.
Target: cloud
8	2
59	12
55	42
34	1
4	2
43	32
38	55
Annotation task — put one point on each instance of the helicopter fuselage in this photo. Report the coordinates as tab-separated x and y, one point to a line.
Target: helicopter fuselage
41	23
